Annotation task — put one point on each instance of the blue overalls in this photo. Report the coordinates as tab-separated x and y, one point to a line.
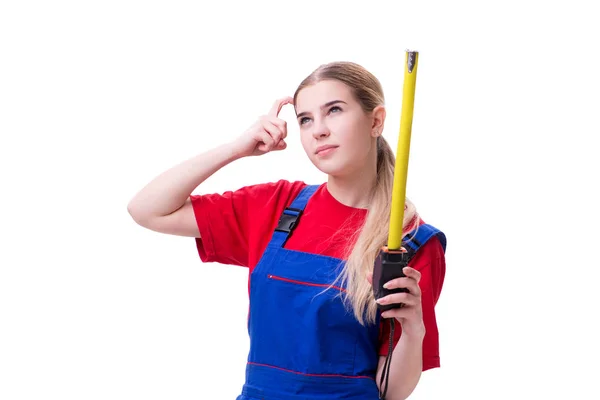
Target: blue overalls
304	343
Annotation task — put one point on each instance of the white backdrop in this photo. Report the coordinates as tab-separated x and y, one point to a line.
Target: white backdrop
97	98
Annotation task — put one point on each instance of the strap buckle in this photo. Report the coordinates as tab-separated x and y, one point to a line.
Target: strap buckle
288	220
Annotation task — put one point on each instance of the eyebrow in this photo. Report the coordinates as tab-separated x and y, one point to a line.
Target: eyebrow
329	103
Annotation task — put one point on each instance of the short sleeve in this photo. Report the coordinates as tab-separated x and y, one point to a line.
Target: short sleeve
223	224
430	262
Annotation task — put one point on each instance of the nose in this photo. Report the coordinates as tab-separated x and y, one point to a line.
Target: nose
320	130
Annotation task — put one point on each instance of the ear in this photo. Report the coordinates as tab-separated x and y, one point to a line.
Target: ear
378	116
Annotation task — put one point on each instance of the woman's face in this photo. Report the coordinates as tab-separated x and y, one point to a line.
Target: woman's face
336	133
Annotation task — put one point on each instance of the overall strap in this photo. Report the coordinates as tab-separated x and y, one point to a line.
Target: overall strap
289	217
416	238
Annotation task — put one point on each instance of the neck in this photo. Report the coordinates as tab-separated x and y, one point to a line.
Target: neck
354	190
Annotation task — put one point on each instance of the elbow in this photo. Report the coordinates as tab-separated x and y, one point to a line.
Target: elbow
404	392
402	389
136	213
398	396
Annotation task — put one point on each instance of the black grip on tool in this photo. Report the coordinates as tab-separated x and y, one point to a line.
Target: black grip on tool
388	266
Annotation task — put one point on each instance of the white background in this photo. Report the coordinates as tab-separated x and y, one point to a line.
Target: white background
97	98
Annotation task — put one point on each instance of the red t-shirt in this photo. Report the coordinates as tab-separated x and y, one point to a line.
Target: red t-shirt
236	227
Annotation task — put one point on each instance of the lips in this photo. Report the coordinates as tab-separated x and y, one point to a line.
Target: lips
325	147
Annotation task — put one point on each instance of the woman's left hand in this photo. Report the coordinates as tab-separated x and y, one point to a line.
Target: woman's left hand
410	315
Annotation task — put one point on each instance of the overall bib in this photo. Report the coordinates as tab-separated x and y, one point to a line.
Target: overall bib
304	343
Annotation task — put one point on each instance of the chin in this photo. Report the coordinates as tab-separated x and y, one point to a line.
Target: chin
332	168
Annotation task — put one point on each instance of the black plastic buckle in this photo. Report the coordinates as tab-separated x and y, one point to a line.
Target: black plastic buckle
287	221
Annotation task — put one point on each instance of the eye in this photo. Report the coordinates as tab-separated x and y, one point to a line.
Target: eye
334	108
303	120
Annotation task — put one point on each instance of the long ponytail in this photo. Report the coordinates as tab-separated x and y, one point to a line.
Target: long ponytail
373	236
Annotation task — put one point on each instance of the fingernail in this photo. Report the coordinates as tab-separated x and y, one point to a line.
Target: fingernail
386	286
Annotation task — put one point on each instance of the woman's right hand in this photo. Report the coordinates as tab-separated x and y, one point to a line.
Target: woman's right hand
265	135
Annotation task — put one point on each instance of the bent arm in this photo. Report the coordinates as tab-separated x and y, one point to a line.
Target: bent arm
164	205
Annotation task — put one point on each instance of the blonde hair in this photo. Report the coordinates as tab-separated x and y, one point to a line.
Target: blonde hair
366	244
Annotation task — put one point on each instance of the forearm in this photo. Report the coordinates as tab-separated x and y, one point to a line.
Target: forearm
406	366
168	192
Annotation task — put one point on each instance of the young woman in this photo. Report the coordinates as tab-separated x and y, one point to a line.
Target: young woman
315	329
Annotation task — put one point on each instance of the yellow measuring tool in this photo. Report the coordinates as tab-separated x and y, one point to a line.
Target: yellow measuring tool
391	260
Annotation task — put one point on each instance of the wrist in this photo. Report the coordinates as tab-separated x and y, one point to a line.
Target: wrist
414	332
234	152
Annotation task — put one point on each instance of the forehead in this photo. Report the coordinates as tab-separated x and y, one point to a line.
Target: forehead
322	92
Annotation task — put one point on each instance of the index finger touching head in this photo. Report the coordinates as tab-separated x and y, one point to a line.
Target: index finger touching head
278	105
